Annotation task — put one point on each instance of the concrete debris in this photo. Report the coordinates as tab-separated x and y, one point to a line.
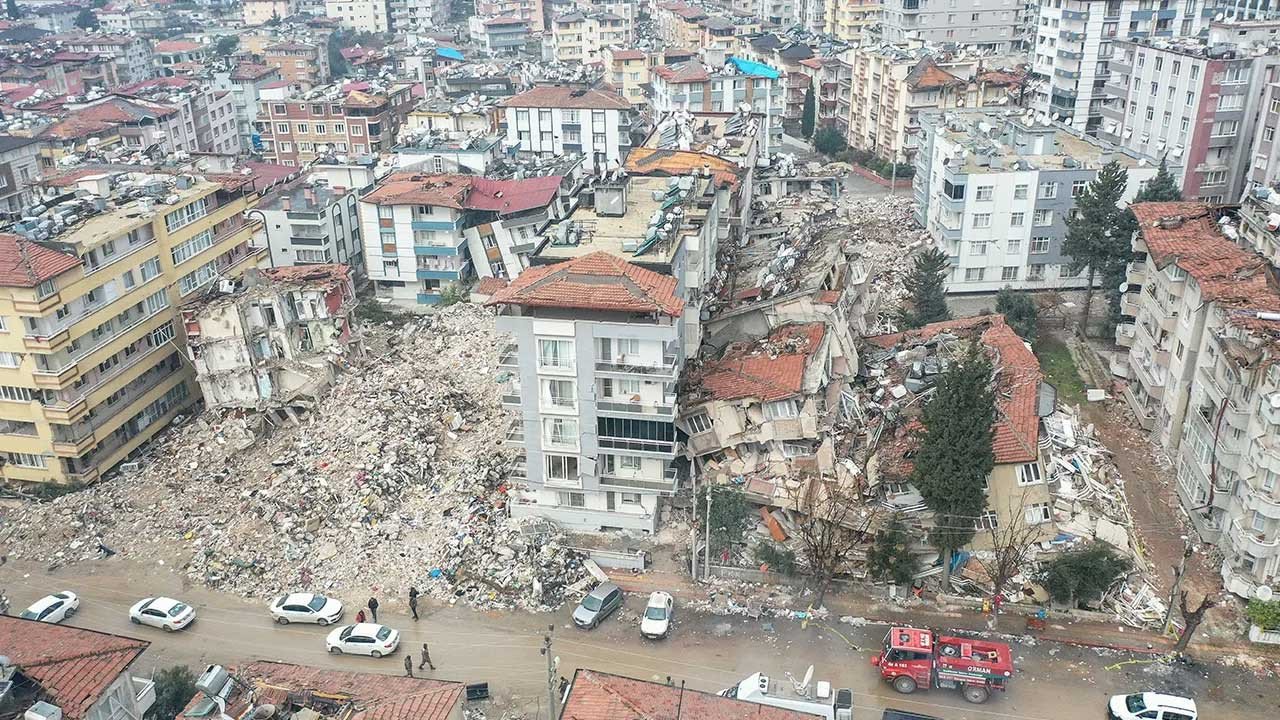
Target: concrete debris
398	478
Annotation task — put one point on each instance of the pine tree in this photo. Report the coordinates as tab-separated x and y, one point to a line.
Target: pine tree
1019	310
955	454
1099	235
927	285
86	20
1163	187
890	558
12	10
810	117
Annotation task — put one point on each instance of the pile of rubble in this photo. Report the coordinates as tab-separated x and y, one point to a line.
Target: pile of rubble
398	478
884	232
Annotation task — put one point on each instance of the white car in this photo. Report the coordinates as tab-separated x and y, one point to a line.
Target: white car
53	608
657	616
162	612
306	608
363	639
1151	706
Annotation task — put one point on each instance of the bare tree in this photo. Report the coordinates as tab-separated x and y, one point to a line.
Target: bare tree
1011	549
831	522
1192	618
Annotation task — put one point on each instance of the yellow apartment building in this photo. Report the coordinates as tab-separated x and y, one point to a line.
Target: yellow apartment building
848	20
91	344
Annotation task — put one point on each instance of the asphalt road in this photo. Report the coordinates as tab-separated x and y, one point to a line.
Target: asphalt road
708	653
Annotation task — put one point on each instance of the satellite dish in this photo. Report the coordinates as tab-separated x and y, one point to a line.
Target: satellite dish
1263	593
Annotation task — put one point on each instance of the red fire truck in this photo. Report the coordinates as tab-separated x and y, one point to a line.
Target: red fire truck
913	658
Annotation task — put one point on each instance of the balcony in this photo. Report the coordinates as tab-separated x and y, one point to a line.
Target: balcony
515	434
1124	334
1252	542
1066	54
47	343
511	399
1270	409
1067	74
145	695
664	409
665	486
637	446
1146	418
1136	274
510	357
1260	501
1075	15
621	366
950	234
1070	35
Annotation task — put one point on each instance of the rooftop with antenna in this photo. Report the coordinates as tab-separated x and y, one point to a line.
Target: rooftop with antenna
1016	139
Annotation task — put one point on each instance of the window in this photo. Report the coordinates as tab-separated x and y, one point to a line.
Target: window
1224	128
1035	272
555	354
339	129
988	520
1048	190
192	247
1020	192
282	128
1014	246
984	192
1037	514
630	462
10	360
1009	272
1043	218
45	289
1231	102
559	394
978	247
1017	219
562	468
1216	177
982	220
1039	245
278	110
1077	187
560	432
781	409
26	460
1029	474
150	269
1268	133
15	394
186	214
302	128
630	498
156	301
698	423
197	277
571	499
357	130
974	274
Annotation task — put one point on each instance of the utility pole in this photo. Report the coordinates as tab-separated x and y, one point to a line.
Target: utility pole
706	558
553	663
1177	580
893	174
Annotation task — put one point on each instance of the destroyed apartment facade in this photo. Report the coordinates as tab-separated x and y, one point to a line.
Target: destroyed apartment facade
276	343
995	188
93	356
1202	326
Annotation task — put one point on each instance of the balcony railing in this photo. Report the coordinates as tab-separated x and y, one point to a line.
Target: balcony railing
665	409
661	447
620	365
515	433
510	357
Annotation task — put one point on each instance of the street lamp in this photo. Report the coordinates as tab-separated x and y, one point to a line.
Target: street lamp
266	228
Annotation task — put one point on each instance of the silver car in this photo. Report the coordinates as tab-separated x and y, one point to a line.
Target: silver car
597	605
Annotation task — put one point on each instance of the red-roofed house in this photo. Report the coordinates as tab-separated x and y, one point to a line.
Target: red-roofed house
1201	319
83	673
599	342
423	232
176	52
595	695
555	120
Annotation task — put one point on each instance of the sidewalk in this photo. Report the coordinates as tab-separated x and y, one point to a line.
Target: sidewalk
1058	628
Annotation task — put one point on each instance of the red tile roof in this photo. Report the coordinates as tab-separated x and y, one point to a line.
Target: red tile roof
466	192
366	696
491	285
509	20
1017	426
39	263
174	46
598	281
769	369
594	695
677	163
620	54
251	71
926	75
690	71
603	97
73	666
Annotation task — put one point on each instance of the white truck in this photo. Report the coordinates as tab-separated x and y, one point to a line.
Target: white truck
795	695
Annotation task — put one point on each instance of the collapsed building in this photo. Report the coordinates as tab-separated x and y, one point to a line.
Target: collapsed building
278	342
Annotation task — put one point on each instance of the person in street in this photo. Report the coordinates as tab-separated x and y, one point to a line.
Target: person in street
408	665
360	616
426	658
413	602
373	608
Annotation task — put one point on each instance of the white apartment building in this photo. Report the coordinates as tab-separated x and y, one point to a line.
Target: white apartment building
420	15
595	361
132	54
982	24
1075	44
310	223
580	37
1193	102
995	191
366	15
721	84
244	82
554	120
260	12
1203	379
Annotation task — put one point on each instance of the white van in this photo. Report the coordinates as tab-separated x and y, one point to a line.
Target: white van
1151	706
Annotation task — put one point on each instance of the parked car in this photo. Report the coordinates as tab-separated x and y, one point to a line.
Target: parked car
306	608
1151	706
597	605
891	714
53	608
656	622
363	639
162	612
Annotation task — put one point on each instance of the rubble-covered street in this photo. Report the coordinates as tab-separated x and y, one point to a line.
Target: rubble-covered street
395	479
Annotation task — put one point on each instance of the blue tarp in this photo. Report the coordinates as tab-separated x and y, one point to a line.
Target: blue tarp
449	53
751	67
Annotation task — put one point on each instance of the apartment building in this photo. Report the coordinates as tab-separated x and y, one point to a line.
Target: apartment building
19	170
310	222
850	20
1194	103
989	25
420	15
272	343
179	57
531	11
1075	45
303	64
115	122
132	54
425	232
364	15
207	114
994	191
1202	317
92	360
302	128
1259	229
597	401
725	86
503	35
677	24
245	81
555	120
882	90
261	12
580	37
788	59
628	71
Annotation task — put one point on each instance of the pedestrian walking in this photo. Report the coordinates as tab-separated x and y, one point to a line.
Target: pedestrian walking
360	616
373	608
408	665
413	602
426	658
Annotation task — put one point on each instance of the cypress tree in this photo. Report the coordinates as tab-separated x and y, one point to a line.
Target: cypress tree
927	285
1019	311
810	117
1099	235
1163	187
